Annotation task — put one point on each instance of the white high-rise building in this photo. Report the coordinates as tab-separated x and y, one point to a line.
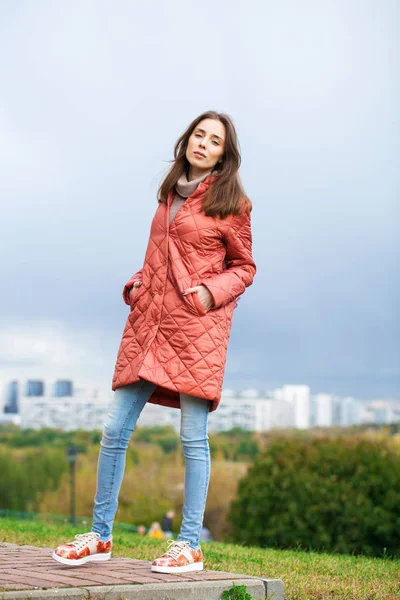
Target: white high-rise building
67	413
2	395
396	412
248	410
282	414
288	406
349	411
298	398
323	410
154	414
382	411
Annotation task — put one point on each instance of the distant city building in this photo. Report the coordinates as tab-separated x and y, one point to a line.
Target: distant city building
282	411
323	407
62	388
248	410
70	408
396	412
3	388
34	388
366	416
154	414
349	411
289	406
382	412
336	411
11	399
7	419
298	398
68	413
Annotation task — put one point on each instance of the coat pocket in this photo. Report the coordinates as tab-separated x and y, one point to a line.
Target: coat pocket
133	296
198	304
193	303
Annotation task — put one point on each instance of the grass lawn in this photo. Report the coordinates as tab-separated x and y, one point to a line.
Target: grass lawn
306	575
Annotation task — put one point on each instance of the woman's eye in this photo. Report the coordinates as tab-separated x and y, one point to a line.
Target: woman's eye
216	143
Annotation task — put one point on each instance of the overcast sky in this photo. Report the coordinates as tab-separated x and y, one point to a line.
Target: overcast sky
94	95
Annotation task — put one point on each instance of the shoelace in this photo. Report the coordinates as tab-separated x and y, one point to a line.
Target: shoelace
175	548
84	538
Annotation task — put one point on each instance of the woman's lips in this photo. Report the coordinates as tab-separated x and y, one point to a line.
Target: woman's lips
199	154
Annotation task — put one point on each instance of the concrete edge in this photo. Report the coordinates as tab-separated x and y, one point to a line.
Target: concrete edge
206	590
274	589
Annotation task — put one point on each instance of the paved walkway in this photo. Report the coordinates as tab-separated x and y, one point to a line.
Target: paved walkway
30	572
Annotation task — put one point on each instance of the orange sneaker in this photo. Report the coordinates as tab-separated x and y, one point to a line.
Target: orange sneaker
179	558
85	548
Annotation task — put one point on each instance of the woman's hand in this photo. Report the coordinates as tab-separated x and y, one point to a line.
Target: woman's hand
135	285
205	297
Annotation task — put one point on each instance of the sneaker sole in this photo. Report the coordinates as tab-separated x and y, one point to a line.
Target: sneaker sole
75	562
187	568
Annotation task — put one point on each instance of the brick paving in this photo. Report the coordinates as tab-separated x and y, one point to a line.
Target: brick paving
30	568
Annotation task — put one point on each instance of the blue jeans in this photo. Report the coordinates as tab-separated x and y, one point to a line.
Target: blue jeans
128	403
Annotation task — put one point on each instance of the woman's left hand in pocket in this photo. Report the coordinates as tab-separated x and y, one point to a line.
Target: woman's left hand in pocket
205	296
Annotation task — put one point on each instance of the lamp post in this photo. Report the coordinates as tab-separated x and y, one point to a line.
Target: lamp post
72	455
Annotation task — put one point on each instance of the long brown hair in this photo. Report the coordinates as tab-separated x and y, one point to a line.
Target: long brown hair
226	195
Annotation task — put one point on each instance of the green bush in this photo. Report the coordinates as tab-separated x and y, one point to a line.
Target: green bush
234	445
163	435
237	592
15	437
337	495
27	475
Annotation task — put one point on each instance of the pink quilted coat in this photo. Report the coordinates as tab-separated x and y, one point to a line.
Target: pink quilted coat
169	338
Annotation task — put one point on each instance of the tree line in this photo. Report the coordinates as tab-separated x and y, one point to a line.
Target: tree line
331	490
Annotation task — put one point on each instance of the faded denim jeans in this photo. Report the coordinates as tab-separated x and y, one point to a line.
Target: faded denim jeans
128	403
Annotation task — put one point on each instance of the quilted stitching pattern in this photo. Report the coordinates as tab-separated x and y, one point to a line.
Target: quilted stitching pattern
168	338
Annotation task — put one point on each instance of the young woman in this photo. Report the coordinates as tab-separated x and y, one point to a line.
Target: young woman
198	262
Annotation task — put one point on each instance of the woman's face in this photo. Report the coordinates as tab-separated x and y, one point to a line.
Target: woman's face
206	146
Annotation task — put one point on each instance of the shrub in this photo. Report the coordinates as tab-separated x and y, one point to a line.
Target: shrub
27	474
234	445
338	495
163	435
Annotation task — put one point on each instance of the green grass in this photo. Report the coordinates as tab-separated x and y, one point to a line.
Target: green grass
306	575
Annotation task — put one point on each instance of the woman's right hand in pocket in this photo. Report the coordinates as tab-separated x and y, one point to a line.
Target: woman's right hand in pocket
134	287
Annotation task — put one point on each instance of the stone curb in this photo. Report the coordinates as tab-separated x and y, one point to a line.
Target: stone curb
261	589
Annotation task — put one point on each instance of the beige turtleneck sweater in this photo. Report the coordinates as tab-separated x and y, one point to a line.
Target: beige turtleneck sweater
183	189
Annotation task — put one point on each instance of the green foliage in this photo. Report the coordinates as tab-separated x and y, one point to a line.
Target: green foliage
237	592
246	449
340	495
236	445
163	435
15	437
27	474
